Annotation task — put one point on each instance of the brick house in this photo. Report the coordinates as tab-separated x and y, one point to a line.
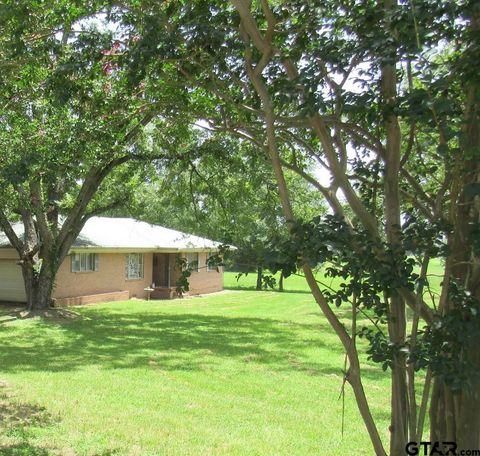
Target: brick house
119	258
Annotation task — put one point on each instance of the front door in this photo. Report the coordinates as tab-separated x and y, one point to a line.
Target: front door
161	269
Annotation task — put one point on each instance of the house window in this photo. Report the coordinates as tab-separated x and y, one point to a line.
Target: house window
134	266
84	262
192	261
210	266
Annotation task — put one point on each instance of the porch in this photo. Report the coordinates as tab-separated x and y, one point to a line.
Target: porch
164	276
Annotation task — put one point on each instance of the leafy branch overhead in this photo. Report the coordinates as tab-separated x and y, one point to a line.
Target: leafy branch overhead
384	98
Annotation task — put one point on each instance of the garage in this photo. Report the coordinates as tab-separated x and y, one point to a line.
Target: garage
11	282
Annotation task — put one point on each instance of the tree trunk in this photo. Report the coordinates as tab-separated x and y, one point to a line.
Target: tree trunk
456	417
280	282
259	278
466	269
397	317
39	282
468	420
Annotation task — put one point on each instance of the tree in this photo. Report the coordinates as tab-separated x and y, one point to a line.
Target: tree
70	129
338	82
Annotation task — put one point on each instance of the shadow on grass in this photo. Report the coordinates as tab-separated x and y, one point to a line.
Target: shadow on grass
23	449
15	420
185	342
10	311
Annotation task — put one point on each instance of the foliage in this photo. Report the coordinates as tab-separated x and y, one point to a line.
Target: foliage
450	336
382	96
214	261
224	191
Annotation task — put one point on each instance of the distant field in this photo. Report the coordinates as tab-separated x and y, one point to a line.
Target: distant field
248	282
298	283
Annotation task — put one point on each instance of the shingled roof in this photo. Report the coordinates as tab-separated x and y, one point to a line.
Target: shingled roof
131	234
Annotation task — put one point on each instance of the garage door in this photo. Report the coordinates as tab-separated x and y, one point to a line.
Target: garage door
11	282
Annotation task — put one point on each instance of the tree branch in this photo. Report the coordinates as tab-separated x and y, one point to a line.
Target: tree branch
17	244
36	199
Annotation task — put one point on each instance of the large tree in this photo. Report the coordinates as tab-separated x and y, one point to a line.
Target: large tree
70	128
384	96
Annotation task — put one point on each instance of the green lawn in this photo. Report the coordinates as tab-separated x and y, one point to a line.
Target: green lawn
239	373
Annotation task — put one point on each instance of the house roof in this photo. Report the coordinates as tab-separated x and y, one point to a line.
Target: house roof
107	233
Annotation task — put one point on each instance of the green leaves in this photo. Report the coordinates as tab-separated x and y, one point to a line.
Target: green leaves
444	343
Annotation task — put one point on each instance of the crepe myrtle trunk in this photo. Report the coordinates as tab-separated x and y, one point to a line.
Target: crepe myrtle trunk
455	416
39	279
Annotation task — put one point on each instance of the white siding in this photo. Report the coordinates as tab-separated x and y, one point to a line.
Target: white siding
11	282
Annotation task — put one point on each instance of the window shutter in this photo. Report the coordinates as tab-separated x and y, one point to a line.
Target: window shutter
96	261
210	267
83	262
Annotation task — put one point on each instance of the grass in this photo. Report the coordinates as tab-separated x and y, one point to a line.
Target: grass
239	373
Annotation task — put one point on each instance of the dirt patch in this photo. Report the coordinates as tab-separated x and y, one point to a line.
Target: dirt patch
297	364
53	313
214	293
14	413
9	312
251	357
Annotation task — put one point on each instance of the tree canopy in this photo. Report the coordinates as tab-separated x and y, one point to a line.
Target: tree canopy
225	191
71	127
